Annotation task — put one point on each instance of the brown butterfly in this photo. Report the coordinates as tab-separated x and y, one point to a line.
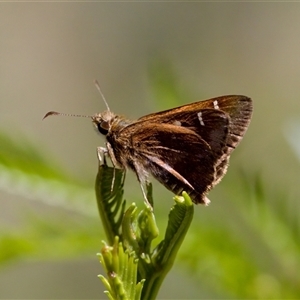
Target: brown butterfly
185	148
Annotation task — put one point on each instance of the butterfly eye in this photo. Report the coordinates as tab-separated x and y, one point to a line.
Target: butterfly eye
103	127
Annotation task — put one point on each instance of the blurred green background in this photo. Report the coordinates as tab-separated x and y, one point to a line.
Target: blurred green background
147	57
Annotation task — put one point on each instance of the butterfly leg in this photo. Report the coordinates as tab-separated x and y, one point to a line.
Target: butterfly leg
148	204
114	162
101	152
144	184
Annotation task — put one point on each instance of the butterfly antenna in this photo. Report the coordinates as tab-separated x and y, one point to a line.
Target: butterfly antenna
99	89
55	113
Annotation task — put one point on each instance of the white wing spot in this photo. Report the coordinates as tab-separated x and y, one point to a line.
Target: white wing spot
199	114
216	106
177	123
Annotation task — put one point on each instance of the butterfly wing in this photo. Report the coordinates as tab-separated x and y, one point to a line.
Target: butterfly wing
239	110
177	155
185	148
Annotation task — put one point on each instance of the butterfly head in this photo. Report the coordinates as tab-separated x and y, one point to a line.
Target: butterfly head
103	121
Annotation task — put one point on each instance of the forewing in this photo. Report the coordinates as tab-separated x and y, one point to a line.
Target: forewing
210	124
238	108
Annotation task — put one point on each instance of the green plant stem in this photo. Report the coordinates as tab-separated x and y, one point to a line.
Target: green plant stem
135	232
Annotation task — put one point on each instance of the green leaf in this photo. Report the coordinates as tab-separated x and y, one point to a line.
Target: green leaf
137	233
109	193
163	256
121	269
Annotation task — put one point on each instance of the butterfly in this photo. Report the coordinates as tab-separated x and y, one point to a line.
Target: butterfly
186	148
